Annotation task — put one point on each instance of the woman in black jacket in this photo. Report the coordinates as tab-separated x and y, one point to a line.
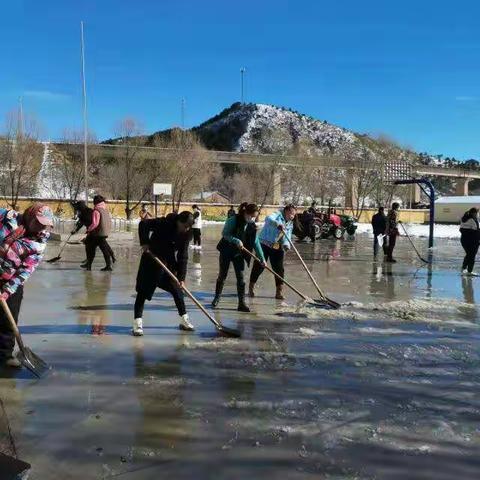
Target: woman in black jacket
470	240
167	238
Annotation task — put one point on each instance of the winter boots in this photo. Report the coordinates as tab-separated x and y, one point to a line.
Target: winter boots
185	324
279	293
218	293
137	329
242	306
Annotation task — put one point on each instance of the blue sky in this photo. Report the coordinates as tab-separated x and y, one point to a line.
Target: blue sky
409	69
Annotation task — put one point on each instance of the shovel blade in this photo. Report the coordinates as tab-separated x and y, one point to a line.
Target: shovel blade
229	332
13	469
329	302
33	362
54	259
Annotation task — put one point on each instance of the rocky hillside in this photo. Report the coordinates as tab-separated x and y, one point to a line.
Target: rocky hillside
259	128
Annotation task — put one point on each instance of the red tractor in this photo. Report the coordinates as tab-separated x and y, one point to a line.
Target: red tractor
318	224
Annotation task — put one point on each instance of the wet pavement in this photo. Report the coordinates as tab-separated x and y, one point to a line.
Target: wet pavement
386	387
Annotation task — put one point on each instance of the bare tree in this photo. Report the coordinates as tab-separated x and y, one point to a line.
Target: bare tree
21	156
129	175
362	176
189	164
66	175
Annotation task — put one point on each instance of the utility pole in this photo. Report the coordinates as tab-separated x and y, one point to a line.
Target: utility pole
85	125
20	122
242	75
183	113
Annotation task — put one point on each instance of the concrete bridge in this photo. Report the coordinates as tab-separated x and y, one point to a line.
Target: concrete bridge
463	176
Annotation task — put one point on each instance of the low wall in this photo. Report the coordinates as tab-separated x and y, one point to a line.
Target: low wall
406	215
214	211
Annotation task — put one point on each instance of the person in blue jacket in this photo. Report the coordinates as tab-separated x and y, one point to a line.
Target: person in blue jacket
239	231
274	238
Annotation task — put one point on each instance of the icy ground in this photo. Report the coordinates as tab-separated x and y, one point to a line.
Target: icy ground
384	388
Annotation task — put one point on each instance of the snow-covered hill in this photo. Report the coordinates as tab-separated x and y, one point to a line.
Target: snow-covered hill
260	128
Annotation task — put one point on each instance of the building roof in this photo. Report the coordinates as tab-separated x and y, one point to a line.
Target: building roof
460	199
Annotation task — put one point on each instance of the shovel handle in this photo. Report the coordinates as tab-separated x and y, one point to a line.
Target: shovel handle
275	274
13	324
62	248
185	289
294	248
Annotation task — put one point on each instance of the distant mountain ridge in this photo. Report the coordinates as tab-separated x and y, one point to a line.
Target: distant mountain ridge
261	128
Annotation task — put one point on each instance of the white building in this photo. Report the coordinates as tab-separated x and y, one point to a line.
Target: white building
451	209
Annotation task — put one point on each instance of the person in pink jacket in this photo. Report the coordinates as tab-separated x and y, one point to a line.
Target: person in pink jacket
97	234
22	243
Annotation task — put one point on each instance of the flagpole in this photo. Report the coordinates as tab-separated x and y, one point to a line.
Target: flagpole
85	125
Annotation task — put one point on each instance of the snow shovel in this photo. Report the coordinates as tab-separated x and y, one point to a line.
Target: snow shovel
12	468
289	285
59	256
231	332
27	358
413	245
324	298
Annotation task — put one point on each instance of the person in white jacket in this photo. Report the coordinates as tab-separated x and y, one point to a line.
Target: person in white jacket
197	227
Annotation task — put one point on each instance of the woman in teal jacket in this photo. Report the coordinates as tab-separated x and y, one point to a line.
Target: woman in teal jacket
239	231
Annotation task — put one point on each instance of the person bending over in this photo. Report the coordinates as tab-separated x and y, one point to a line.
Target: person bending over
167	238
22	244
239	231
274	238
83	216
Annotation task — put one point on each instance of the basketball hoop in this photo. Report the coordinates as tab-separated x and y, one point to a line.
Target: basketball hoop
397	170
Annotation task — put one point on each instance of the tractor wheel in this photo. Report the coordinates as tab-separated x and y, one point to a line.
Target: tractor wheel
338	233
316	229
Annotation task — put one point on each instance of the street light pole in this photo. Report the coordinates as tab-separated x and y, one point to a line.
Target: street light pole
242	74
85	125
183	113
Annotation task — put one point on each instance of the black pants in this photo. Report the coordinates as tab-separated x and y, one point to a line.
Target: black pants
197	236
276	257
470	245
392	240
91	244
238	264
167	285
7	338
375	244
